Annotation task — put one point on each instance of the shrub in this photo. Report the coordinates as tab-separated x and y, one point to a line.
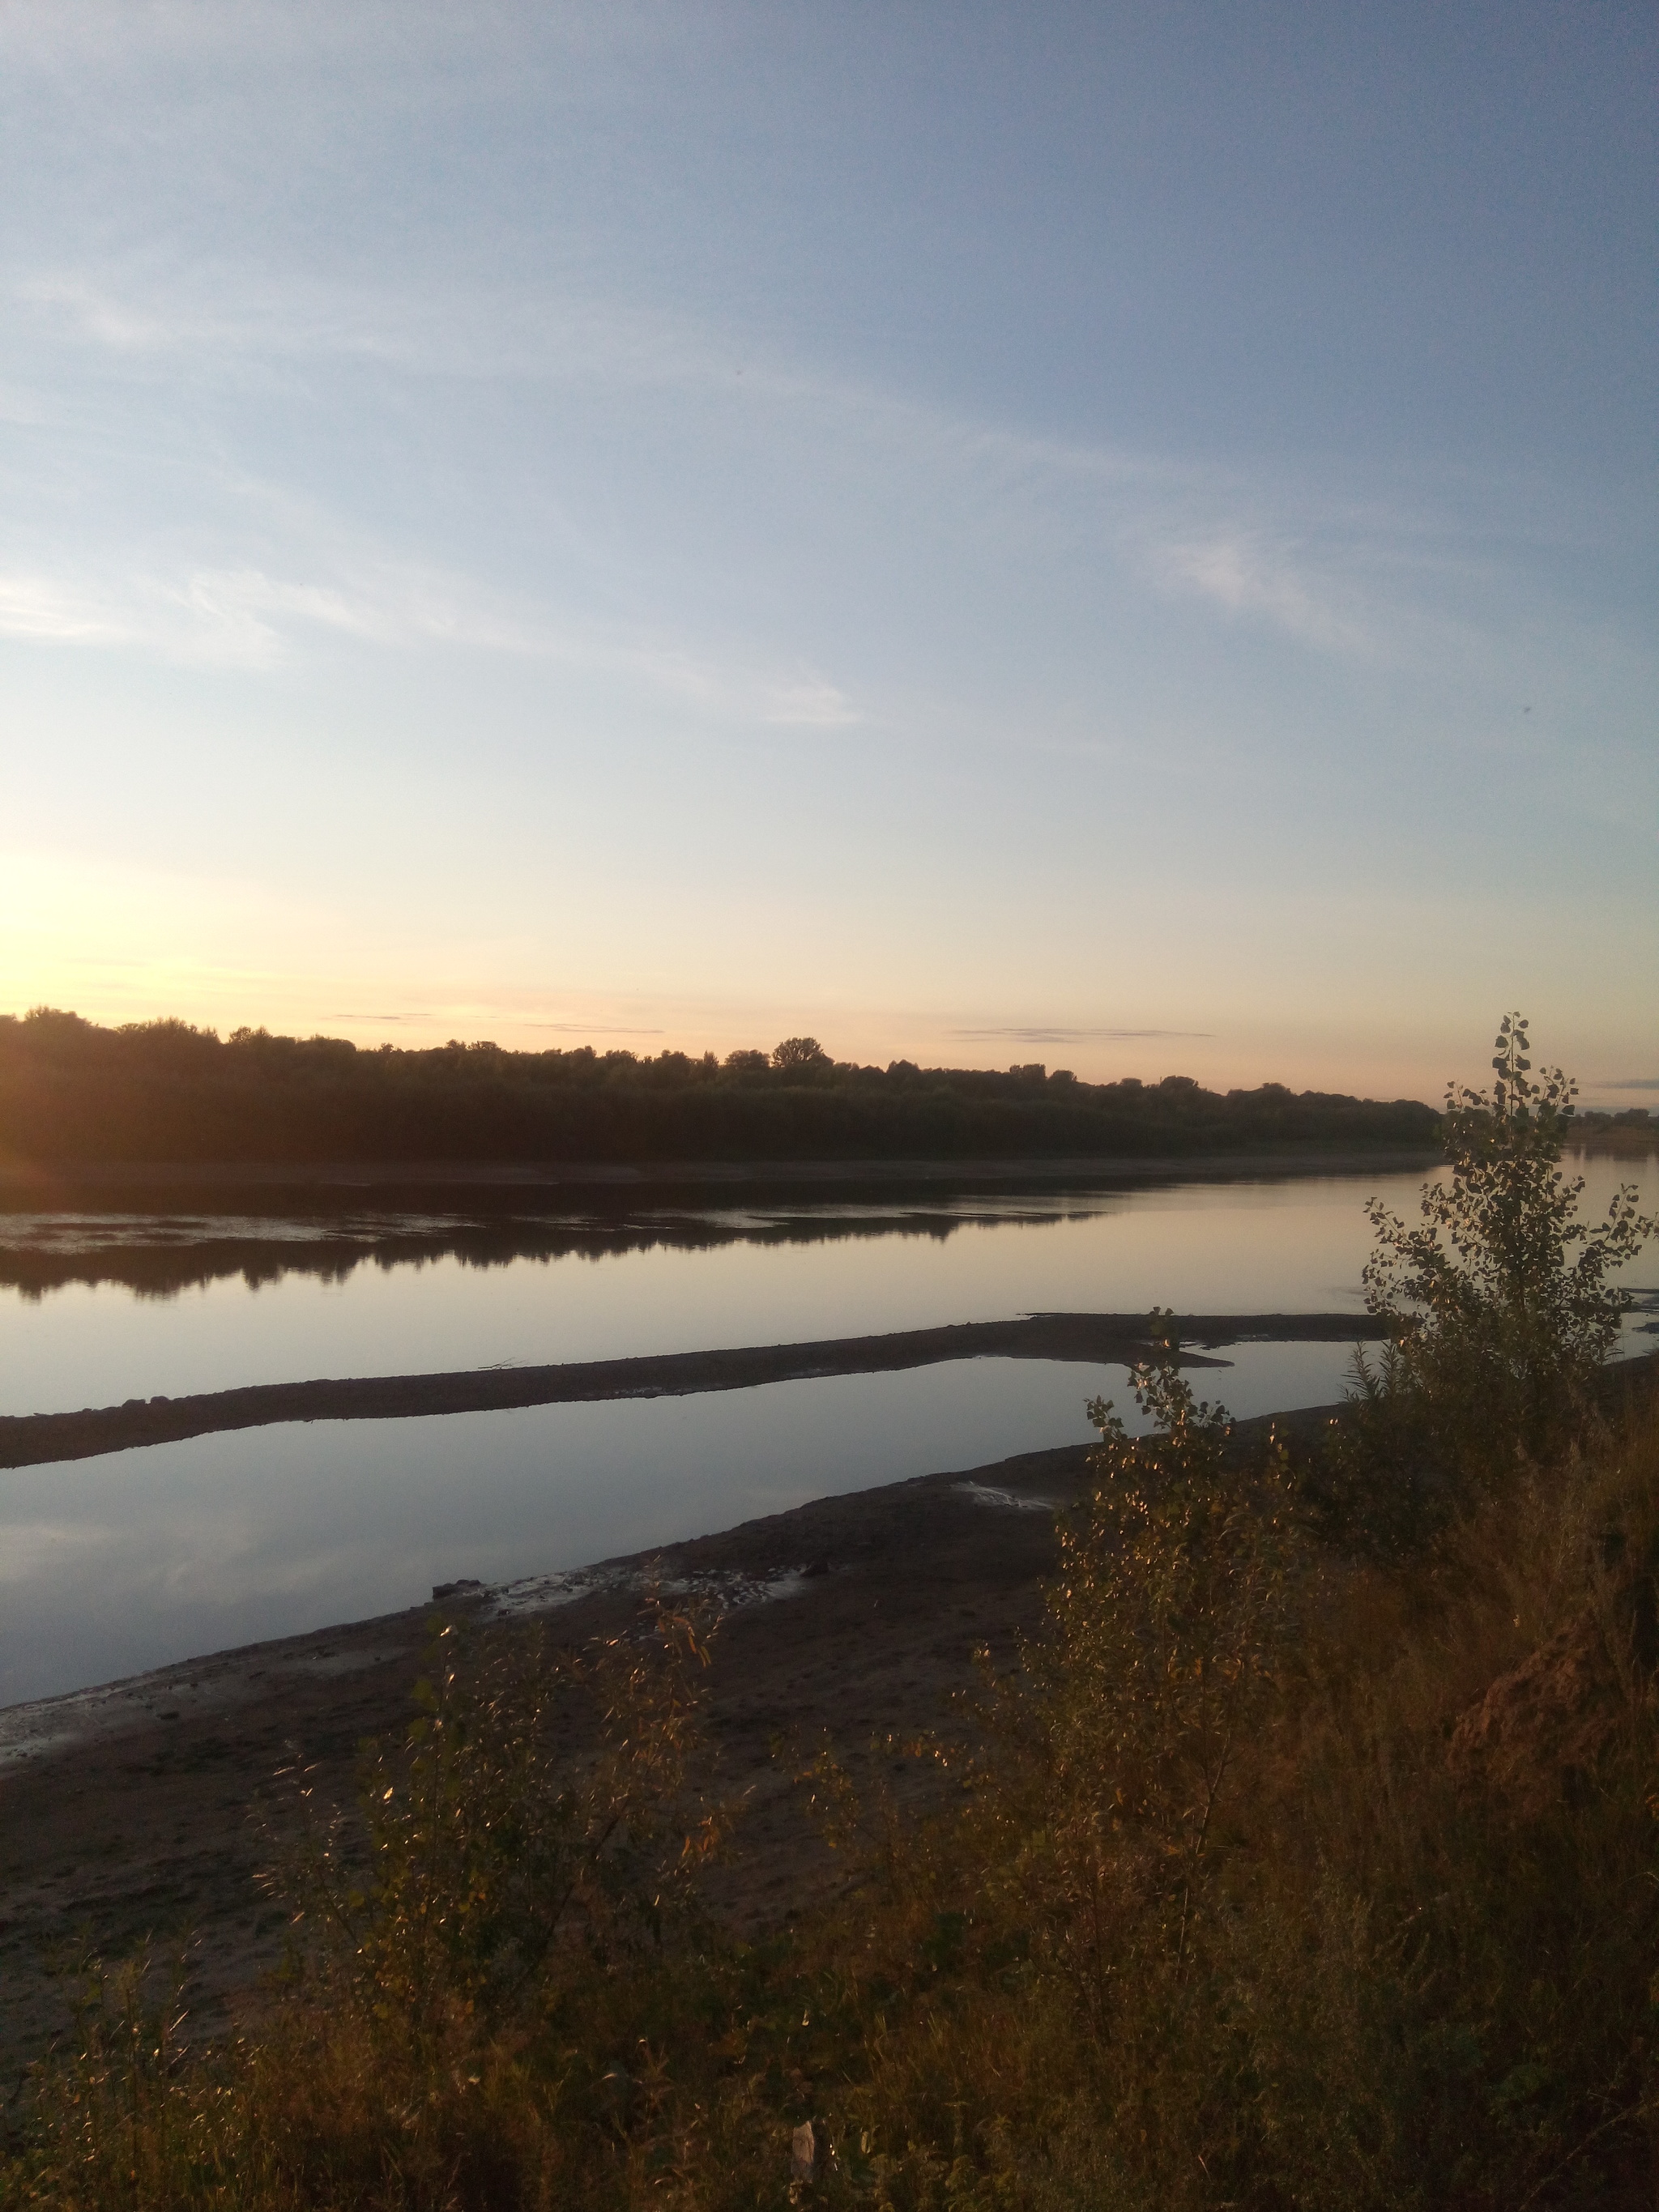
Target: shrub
1499	1302
1169	1623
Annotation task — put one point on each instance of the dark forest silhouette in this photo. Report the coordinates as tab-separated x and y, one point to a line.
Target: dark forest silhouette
166	1091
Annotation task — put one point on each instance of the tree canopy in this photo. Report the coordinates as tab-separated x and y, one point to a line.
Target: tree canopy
165	1091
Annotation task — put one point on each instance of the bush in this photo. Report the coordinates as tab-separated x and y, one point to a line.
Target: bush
1499	1303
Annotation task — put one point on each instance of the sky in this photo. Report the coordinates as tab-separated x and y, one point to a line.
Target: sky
1120	535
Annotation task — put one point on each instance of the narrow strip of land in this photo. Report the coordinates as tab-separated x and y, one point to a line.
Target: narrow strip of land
307	1187
34	1440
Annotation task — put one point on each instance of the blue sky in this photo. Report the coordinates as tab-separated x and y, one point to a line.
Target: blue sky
1120	536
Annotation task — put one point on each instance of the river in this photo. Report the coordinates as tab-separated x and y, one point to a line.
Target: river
111	1566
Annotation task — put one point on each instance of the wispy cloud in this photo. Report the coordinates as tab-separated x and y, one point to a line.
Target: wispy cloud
42	607
228	321
1042	1035
238	618
1244	573
96	312
1362	579
246	618
802	699
591	1028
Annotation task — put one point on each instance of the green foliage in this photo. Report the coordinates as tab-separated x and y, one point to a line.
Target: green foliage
1499	1300
1168	1623
485	1977
498	1861
799	1053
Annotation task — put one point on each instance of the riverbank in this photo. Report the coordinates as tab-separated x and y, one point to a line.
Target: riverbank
143	1810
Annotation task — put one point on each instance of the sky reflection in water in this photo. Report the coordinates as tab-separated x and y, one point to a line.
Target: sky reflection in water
114	1564
780	1277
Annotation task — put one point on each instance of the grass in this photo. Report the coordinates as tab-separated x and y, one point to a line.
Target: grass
1282	1873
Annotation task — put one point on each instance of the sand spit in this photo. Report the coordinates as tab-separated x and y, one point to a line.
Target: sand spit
34	1440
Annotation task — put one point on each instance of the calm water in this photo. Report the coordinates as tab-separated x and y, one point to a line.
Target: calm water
110	1565
788	1274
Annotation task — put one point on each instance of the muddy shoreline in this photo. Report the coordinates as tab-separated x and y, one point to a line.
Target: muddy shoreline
140	1811
36	1439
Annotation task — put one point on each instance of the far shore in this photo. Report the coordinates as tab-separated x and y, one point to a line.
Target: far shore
302	1186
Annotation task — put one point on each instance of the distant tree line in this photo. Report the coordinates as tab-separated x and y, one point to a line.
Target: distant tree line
1633	1132
73	1090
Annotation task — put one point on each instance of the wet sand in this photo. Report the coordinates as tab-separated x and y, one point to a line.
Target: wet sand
34	1439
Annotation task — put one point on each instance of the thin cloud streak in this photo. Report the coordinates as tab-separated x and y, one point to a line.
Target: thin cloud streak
245	618
44	609
1191	529
1069	1036
1241	572
591	1028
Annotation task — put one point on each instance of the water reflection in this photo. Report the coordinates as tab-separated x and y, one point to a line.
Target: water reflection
250	1300
161	1256
113	1564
